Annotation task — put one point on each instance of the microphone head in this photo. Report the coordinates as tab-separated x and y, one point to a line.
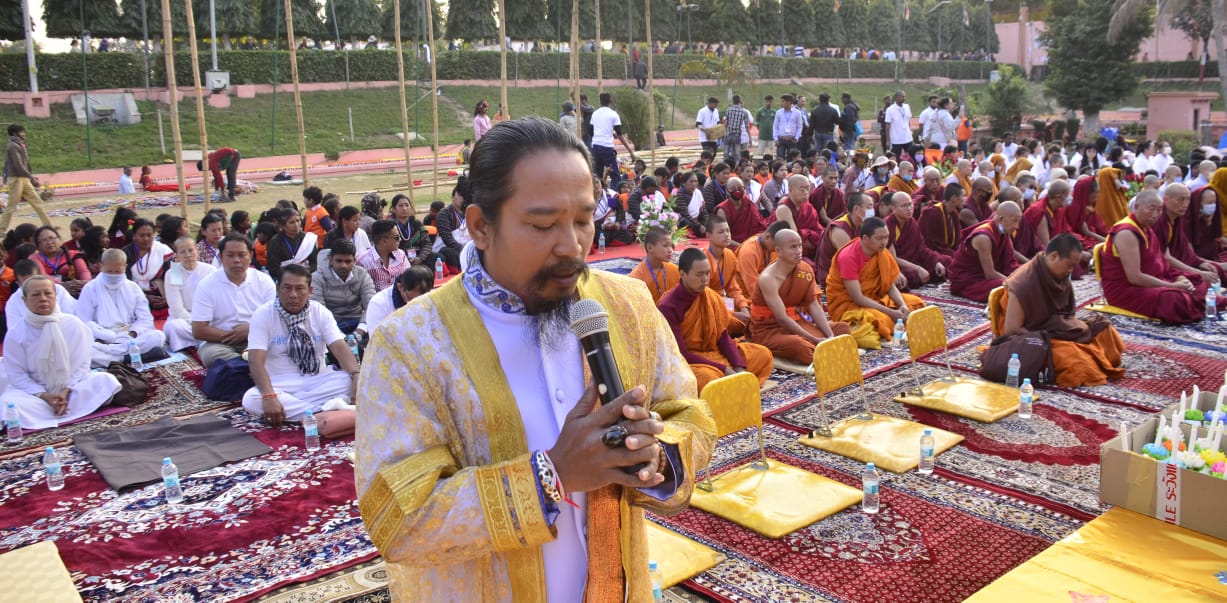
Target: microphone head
588	316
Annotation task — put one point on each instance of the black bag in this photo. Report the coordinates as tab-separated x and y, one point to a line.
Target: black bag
132	386
1034	355
228	380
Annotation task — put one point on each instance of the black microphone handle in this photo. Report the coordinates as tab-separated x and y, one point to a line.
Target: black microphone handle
605	373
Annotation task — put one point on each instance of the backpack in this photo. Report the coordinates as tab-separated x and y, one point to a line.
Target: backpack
1034	354
228	380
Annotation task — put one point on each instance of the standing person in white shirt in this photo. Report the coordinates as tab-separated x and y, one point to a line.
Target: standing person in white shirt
225	301
899	124
606	125
787	127
125	182
1009	148
926	120
286	346
181	283
411	284
942	125
708	117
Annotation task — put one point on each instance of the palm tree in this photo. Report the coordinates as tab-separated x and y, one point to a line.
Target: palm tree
1124	11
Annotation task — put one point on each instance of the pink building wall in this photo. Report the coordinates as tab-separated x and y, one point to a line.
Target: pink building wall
1172	45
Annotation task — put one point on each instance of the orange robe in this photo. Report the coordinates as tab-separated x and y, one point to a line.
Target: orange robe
876	275
697	322
261	253
1218	182
1112	205
752	259
900	185
315	224
724	281
797	292
658	282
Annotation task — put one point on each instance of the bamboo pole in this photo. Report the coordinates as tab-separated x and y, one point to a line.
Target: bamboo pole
404	107
434	97
647	30
200	116
579	122
168	53
600	48
502	44
302	134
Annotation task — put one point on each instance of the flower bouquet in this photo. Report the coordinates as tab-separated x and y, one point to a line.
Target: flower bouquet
657	212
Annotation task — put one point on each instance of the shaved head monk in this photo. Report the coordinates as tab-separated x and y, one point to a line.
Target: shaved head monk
1039	296
802	218
1137	274
725	280
828	198
861	287
940	223
841	230
740	213
657	271
697	315
754	256
962	174
905	179
986	256
931	191
977	206
1173	230
1041	216
919	264
786	315
1026	246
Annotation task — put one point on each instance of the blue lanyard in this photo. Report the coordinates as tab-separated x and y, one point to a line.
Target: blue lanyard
660	287
719	267
287	245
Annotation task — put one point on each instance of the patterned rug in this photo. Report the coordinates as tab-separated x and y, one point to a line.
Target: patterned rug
1209	336
244	528
1086	289
928	542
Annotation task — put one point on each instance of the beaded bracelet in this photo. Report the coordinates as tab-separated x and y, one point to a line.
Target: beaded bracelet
268	395
547	476
561	491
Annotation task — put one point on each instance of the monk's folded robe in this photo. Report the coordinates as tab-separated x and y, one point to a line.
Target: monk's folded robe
808	226
725	281
752	259
744	219
923	198
1113	205
1078	213
1085	351
967	278
1173	238
1167	304
909	244
899	185
833	201
797	292
698	323
941	229
876	275
1204	231
827	248
1025	239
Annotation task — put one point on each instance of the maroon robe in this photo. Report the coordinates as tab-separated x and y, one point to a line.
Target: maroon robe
1025	239
966	276
1204	233
1077	214
909	244
981	210
806	219
922	199
1173	238
1168	304
827	249
744	220
833	201
942	231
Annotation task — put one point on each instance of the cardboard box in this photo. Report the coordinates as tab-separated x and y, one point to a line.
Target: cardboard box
1177	496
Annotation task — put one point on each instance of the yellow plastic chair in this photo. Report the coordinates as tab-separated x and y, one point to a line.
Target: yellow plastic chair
926	333
994	312
841	366
1102	305
736	403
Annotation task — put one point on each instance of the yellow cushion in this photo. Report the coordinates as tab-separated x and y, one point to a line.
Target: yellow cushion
840	362
1107	308
889	443
1121	556
678	557
36	574
793	367
982	401
735	402
775	502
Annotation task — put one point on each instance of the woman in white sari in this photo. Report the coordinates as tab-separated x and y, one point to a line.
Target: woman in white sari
148	261
181	280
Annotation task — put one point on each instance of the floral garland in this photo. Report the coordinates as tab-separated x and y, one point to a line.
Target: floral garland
657	212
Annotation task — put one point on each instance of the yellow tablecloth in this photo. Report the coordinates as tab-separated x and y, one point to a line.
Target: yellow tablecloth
1124	556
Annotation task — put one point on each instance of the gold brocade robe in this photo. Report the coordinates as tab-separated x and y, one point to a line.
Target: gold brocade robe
445	483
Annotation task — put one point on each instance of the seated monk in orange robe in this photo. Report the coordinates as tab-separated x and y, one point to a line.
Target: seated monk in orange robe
656	271
905	180
697	316
753	257
863	285
785	290
1040	297
724	274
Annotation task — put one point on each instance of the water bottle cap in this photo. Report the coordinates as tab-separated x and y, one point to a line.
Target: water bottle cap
898	321
166	461
1013	356
1027	381
869	465
50	449
928	432
11	405
651	566
310	413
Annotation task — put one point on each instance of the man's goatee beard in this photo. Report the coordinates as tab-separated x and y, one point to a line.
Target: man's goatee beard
550	326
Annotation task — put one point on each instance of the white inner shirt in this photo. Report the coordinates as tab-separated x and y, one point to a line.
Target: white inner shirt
603	122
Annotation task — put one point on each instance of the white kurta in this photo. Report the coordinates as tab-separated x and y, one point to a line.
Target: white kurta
381	307
111	313
89	390
15	309
297	393
181	288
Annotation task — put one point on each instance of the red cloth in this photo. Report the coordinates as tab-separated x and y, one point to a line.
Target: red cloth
1164	303
1024	238
218	161
744	219
806	218
922	198
966	275
833	201
1078	214
827	249
1173	238
1039	212
1204	232
941	229
909	245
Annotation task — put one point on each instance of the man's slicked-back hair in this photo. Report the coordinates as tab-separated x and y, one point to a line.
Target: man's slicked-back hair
871	225
498	153
1065	244
689	257
232	238
776	227
654	236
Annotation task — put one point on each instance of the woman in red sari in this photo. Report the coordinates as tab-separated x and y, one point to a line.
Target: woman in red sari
1079	217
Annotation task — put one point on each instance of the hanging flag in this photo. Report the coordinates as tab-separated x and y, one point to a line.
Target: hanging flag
907	11
966	19
836	5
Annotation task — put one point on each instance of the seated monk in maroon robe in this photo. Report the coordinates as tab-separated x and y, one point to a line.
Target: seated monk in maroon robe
978	207
918	264
840	231
1173	236
930	192
1026	245
1136	274
828	199
802	218
1205	225
986	256
940	225
739	211
1079	217
1040	297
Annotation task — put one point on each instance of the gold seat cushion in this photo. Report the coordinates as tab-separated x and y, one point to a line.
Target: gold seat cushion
35	574
678	557
889	443
975	399
775	502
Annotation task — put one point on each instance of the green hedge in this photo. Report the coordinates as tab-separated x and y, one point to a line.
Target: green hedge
126	70
1174	69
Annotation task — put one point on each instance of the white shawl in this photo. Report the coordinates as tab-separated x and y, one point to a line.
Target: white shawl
51	367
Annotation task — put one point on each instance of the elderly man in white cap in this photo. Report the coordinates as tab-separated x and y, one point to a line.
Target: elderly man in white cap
49	379
117	312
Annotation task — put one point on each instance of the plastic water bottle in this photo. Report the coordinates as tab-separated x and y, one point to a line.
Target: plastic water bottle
352	340
900	333
439	270
1026	395
869	485
312	431
170	482
1012	369
658	581
12	425
926	453
600	247
55	473
134	356
1211	304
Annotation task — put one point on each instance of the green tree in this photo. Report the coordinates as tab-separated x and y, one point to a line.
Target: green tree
1003	101
472	20
981	31
307	21
63	18
765	19
524	20
884	22
558	21
1073	64
796	22
916	34
855	17
828	24
614	20
412	20
10	21
1196	20
355	19
720	21
234	18
130	22
668	23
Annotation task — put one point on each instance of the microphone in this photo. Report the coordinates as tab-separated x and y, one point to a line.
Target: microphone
590	323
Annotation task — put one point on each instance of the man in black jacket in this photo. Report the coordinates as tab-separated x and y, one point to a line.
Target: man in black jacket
823	120
847	124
